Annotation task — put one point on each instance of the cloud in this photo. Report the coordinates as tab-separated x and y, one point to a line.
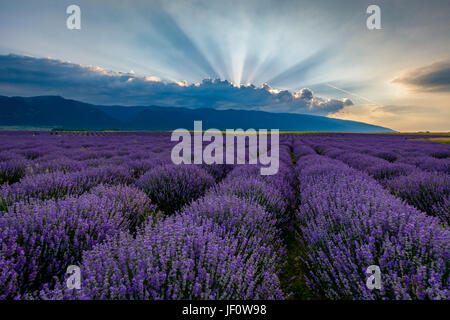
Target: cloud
306	94
28	76
403	118
404	110
431	78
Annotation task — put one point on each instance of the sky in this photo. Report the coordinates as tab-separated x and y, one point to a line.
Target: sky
315	57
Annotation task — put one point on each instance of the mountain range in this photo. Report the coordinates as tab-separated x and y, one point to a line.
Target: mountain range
61	113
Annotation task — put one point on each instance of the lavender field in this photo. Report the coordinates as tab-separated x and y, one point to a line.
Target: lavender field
141	227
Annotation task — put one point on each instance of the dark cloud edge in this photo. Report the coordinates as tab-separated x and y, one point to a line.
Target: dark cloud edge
27	76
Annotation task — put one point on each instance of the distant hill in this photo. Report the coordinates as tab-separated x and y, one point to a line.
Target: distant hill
54	111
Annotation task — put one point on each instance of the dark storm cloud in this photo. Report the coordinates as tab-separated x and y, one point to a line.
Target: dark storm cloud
27	76
432	78
306	94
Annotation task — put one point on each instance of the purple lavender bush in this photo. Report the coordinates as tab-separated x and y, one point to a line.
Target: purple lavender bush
387	155
38	241
300	150
171	187
256	190
283	180
140	166
57	185
441	154
218	171
442	210
12	171
386	171
241	218
349	222
428	163
182	257
59	164
135	204
423	190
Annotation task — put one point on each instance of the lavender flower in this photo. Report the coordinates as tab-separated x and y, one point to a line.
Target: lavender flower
38	241
172	186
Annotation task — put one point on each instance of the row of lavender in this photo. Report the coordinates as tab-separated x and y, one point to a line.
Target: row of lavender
348	221
416	171
225	245
24	154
